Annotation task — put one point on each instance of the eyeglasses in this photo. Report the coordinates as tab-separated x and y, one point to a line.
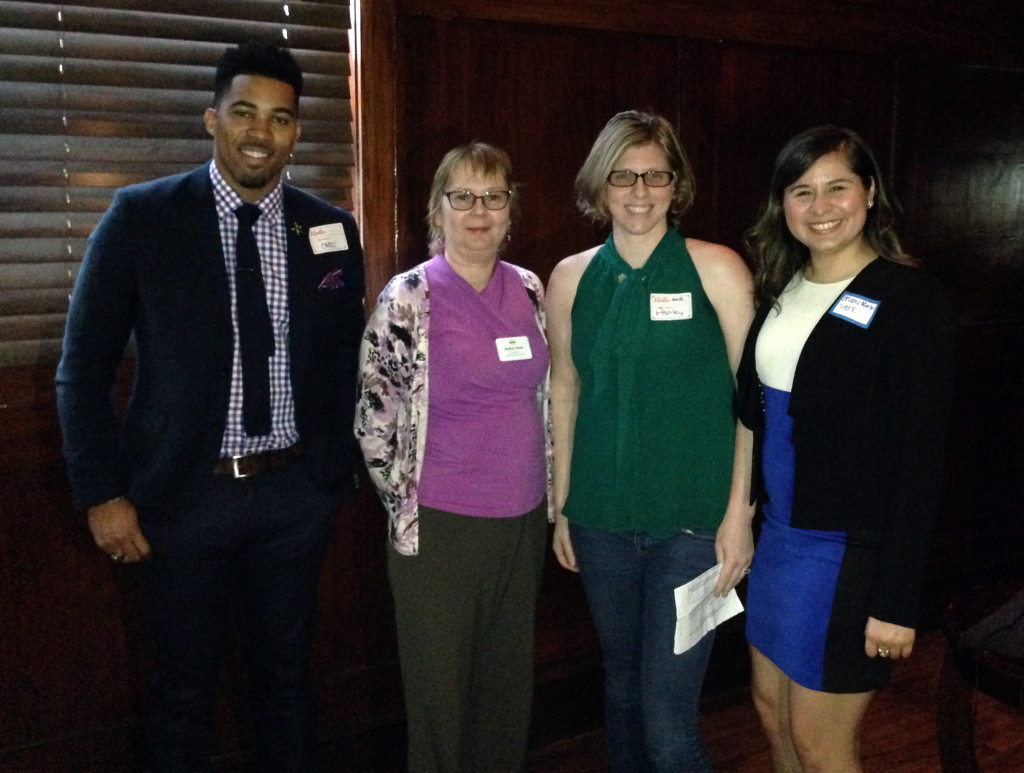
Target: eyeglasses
463	200
653	178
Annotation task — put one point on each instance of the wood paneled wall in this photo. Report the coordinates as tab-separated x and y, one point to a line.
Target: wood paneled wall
937	88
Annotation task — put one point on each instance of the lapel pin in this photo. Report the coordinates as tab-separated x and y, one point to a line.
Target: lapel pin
297	229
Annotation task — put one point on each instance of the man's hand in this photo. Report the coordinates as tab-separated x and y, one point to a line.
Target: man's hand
115	529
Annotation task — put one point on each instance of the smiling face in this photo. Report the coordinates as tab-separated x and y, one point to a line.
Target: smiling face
254	128
640	210
827	206
473	235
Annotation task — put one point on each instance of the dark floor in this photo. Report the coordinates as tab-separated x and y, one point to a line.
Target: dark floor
899	731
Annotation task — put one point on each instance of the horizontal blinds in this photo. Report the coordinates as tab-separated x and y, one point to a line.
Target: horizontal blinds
95	95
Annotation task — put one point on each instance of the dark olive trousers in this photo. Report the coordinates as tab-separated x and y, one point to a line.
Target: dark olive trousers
465	608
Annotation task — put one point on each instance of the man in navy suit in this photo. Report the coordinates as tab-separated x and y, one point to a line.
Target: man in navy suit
222	488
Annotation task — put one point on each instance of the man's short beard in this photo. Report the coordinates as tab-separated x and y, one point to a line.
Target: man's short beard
256	182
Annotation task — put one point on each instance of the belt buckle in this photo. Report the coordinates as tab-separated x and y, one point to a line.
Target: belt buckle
236	472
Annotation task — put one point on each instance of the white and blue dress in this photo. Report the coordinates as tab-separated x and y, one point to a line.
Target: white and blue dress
847	387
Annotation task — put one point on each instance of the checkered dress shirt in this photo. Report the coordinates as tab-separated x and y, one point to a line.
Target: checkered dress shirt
273	245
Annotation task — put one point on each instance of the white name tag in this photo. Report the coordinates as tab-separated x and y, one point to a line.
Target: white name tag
856	309
669	306
514	348
328	238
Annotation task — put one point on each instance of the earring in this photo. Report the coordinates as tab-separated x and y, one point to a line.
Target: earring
871	204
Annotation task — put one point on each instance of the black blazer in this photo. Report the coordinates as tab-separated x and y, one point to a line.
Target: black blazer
154	268
870	409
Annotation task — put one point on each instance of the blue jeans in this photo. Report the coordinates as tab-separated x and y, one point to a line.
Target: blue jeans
651	695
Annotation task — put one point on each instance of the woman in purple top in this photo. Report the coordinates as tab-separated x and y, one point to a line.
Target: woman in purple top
460	338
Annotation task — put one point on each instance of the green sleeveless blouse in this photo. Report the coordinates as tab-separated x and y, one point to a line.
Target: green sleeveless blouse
655	427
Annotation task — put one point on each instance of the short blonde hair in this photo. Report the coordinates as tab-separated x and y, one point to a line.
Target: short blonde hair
626	130
482	158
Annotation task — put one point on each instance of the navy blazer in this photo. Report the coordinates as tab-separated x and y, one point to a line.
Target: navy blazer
154	268
870	409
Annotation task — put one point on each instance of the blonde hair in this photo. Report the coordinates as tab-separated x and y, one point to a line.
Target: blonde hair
484	159
626	130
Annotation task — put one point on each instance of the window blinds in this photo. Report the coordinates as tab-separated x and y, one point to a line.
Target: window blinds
96	95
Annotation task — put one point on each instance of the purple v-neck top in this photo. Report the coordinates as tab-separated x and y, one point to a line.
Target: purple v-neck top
484	452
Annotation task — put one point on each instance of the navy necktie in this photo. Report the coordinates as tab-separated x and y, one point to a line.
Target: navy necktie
255	333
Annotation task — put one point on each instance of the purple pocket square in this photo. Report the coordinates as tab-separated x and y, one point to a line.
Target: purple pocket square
333	280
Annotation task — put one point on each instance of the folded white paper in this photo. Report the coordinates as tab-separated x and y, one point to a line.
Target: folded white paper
698	611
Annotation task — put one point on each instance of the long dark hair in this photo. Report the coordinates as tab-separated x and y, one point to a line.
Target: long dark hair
777	254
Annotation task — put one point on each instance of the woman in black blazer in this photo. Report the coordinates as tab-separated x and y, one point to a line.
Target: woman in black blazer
846	381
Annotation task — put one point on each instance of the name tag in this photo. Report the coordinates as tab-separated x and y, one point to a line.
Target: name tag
856	309
668	306
514	348
328	238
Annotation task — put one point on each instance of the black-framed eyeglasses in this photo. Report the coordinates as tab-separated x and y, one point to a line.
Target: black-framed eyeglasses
463	200
653	178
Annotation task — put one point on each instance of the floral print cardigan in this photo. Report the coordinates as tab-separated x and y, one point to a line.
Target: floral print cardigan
391	411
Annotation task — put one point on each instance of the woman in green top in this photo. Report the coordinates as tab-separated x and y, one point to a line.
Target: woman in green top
646	332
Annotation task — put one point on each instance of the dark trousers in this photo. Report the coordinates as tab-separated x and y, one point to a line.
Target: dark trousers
249	553
465	609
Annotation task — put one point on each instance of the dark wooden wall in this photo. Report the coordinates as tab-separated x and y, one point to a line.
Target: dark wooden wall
936	87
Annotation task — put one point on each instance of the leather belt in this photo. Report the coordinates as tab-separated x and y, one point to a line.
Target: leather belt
257	464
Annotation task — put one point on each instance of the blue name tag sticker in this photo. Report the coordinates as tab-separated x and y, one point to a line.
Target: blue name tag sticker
856	309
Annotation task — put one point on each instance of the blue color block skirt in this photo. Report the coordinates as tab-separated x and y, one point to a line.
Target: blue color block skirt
808	590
